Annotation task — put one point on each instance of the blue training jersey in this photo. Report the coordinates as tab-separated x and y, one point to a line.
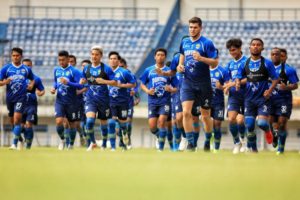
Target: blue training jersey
197	72
66	94
98	92
233	68
120	96
152	80
218	74
255	90
31	95
179	77
292	77
16	90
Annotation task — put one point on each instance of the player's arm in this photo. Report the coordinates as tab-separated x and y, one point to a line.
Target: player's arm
146	90
40	89
170	89
293	81
165	73
83	90
5	81
54	86
40	93
209	61
31	78
275	80
180	67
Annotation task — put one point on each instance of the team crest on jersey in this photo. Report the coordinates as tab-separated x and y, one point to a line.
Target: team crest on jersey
23	71
197	46
117	75
67	73
217	74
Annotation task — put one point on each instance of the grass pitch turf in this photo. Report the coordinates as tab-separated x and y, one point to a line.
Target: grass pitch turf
46	173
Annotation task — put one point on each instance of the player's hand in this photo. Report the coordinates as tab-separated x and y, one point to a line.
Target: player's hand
168	88
137	101
8	80
132	92
159	71
267	94
63	81
237	84
29	87
52	90
151	91
197	56
99	80
282	86
180	68
82	81
219	85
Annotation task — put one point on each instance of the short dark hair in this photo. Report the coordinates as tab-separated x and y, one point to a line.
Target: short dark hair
283	50
18	50
72	56
161	50
27	60
234	42
196	20
122	60
257	39
63	53
114	53
86	61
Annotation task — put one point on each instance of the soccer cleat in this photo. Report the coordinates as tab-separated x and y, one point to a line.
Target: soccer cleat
183	144
275	139
190	148
216	151
13	147
70	147
125	139
91	147
20	145
156	143
61	145
112	149
244	146
237	148
207	146
108	145
269	136
278	153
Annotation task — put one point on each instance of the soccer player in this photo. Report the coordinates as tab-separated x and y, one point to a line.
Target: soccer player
282	99
257	70
30	117
119	97
159	89
66	83
15	75
197	54
236	98
134	100
219	76
98	76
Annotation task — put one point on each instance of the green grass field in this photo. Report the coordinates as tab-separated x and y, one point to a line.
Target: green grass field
46	173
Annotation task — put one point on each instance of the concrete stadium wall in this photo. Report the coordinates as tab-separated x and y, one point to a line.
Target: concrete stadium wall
163	6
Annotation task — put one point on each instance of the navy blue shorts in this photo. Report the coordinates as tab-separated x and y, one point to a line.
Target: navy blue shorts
196	109
217	112
201	93
155	110
30	114
130	112
68	111
103	109
13	107
236	103
257	108
281	108
119	111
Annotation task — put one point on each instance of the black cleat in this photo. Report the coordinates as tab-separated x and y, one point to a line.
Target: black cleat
275	139
190	148
207	146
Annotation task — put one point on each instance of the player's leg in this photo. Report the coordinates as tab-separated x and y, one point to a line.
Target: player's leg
208	127
31	119
169	132
67	131
282	133
17	110
162	126
242	131
188	121
196	125
263	121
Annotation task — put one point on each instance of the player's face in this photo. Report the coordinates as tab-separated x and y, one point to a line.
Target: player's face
114	61
160	57
194	29
63	61
275	56
283	57
72	61
16	58
96	56
235	52
27	63
256	47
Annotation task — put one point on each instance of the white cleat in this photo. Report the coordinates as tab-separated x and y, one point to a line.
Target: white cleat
244	146
237	148
13	147
183	144
91	147
61	145
70	147
156	143
108	145
113	150
99	143
20	146
129	147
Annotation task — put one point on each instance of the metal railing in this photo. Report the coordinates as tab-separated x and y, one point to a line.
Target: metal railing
248	14
83	12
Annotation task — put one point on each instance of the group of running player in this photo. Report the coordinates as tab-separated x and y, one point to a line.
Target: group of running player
193	84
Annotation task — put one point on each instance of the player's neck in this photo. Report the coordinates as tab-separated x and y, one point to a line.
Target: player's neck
65	66
238	57
255	57
96	64
277	64
114	68
160	65
195	38
17	64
